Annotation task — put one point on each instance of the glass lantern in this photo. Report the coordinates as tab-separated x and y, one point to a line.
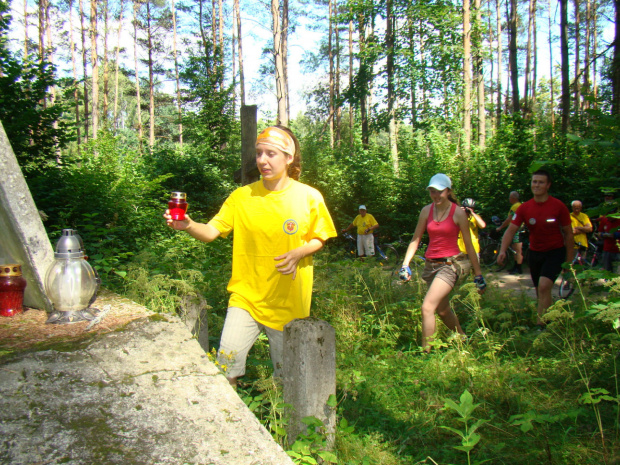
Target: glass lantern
70	283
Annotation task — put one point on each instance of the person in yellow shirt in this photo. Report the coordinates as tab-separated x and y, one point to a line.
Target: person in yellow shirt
365	224
475	223
581	226
278	224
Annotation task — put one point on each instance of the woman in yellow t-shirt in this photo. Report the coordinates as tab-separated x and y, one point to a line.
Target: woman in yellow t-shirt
279	223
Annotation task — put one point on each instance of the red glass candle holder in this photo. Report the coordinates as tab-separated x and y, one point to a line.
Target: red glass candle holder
178	205
12	286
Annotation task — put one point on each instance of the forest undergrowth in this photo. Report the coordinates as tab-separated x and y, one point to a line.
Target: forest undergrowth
509	394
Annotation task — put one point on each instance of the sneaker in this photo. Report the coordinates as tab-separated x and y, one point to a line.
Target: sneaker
516	270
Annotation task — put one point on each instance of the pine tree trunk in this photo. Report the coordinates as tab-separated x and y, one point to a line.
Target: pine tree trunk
106	64
514	68
136	6
330	55
151	77
95	66
594	49
351	82
528	58
279	62
221	42
391	105
118	50
239	38
499	62
26	24
466	78
577	97
176	70
535	57
285	25
482	124
586	71
413	85
551	84
337	85
616	64
76	94
85	65
565	65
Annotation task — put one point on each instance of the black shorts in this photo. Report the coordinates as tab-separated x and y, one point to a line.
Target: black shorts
547	264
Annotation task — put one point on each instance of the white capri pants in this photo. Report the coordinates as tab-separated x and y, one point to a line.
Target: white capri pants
366	244
238	336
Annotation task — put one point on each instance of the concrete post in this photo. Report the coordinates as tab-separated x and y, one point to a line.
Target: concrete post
249	171
23	238
309	374
194	313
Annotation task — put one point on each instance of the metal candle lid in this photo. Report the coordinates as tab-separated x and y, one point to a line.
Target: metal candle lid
178	195
69	245
11	269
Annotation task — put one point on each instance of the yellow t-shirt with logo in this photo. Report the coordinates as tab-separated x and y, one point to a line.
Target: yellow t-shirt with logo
363	223
268	224
578	221
473	232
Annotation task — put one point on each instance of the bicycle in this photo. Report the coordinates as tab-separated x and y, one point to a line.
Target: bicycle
581	263
489	252
385	252
392	251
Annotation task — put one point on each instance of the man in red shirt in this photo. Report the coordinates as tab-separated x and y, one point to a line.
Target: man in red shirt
609	228
551	238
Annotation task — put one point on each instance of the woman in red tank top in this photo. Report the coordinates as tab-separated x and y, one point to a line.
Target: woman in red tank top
445	264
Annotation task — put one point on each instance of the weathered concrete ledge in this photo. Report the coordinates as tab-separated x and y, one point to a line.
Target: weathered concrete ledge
144	394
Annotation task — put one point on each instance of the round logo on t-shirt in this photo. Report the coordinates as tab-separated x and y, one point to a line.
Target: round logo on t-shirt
532	221
290	227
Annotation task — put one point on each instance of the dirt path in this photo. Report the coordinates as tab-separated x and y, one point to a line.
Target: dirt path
521	282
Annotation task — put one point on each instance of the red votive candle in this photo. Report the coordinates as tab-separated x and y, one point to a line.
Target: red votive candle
177	205
12	286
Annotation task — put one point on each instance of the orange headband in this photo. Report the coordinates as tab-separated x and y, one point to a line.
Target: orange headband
277	138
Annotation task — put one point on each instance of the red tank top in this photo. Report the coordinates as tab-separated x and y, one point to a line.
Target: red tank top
443	236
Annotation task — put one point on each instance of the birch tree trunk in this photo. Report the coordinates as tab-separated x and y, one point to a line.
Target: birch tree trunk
466	78
95	66
176	70
85	65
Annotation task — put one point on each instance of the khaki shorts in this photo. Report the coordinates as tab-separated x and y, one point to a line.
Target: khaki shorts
238	336
450	272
